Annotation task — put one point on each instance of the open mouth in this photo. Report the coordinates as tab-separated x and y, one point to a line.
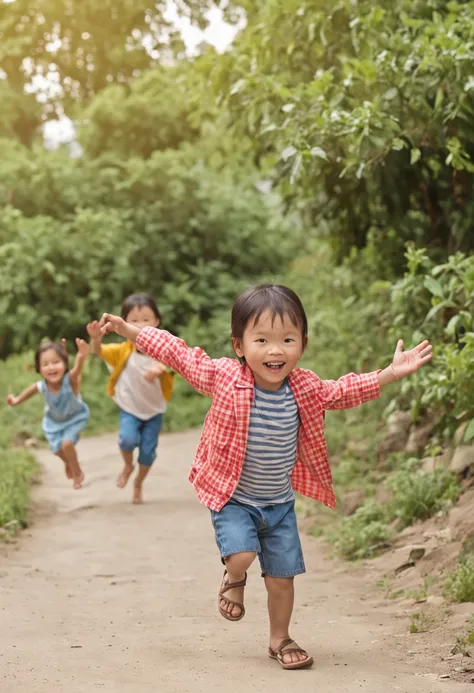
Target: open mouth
275	366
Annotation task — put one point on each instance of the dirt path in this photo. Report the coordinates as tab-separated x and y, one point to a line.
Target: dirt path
105	596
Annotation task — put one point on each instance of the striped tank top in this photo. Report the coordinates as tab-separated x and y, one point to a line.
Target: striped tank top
271	448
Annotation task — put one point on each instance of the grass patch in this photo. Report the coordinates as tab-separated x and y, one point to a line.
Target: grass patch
415	497
421	622
420	496
363	534
17	468
459	586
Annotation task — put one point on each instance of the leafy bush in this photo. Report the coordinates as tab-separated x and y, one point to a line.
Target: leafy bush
437	302
16	471
460	584
419	496
361	535
83	234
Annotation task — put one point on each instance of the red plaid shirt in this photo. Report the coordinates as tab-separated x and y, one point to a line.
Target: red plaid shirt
220	455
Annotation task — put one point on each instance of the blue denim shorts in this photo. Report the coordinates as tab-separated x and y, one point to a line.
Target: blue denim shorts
270	531
141	434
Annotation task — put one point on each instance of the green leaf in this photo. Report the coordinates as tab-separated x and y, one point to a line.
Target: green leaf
469	432
319	153
391	94
398	144
433	286
288	152
414	155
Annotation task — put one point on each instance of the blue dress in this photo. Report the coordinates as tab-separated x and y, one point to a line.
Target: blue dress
65	415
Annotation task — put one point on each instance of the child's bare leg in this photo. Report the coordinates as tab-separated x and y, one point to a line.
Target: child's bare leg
127	470
69	451
237	565
281	597
63	457
142	473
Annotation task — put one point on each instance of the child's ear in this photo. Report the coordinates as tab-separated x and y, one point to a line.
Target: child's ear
305	343
237	347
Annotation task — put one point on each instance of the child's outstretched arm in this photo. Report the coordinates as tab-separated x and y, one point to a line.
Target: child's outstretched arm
75	374
352	390
93	329
30	391
193	364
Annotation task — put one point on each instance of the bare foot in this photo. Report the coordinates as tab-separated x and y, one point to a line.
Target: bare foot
77	482
125	475
234	595
137	493
67	469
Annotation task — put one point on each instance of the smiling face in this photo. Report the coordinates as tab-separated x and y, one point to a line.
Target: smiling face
52	367
272	347
142	316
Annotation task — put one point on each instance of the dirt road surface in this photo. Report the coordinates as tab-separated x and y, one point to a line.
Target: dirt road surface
101	595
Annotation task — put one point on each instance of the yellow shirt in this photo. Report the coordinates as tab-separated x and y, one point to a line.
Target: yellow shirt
117	355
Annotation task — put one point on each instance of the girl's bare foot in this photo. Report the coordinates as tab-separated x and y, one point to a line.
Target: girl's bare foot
77	482
137	493
67	469
125	475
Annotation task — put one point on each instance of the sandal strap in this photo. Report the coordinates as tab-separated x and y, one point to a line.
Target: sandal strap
283	649
230	602
231	585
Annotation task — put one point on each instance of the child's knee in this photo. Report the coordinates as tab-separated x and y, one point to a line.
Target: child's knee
66	446
128	440
280	585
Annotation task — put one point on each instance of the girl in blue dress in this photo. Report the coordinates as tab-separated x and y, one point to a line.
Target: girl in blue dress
65	414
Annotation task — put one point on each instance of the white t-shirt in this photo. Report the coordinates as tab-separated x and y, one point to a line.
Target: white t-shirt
134	394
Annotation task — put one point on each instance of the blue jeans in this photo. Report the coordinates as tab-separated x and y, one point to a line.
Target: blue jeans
270	531
137	433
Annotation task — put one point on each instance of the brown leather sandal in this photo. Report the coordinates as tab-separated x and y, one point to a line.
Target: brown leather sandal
283	649
224	588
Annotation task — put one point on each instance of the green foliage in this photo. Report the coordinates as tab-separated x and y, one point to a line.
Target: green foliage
459	586
363	534
421	622
151	113
363	113
88	45
419	496
436	301
16	471
84	234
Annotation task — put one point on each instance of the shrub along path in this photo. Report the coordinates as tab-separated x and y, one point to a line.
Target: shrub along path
103	595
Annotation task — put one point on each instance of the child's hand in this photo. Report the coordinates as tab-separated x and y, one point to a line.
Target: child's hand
12	401
93	330
82	348
407	362
112	323
154	372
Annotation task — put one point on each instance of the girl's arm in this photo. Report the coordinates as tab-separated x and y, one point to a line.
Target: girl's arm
75	374
30	391
352	390
93	329
193	364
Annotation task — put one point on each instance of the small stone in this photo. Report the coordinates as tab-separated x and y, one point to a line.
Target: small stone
462	460
418	439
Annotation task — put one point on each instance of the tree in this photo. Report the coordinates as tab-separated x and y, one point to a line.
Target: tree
85	46
363	113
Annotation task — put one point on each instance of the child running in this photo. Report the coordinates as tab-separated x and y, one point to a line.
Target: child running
65	414
263	439
140	386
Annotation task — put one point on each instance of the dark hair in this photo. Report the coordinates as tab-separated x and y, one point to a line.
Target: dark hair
277	299
59	348
139	301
